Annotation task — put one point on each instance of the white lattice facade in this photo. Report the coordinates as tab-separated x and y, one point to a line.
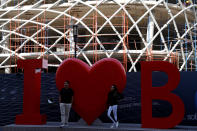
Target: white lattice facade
128	30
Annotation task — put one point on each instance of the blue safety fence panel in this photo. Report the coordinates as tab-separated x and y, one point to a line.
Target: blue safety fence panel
129	109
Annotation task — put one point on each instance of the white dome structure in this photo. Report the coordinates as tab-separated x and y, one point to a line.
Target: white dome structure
128	30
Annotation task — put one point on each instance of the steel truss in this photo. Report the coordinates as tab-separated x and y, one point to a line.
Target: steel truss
43	29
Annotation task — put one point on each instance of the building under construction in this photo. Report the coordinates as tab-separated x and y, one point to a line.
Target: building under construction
128	30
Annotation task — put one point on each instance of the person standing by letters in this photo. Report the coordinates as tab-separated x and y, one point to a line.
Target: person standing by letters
66	100
112	101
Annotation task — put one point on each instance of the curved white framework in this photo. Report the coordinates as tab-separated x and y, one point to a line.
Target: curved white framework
186	51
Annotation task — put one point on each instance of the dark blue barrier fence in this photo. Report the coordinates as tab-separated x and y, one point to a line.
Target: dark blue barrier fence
129	109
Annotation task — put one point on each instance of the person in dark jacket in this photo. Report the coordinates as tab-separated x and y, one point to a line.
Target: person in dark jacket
113	98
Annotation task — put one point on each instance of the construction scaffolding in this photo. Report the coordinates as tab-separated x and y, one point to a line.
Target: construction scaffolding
128	30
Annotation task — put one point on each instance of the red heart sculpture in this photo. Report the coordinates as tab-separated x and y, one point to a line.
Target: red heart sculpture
91	85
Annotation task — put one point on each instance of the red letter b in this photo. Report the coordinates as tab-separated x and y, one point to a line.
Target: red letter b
149	93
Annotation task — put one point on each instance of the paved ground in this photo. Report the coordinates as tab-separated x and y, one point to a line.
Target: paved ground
54	126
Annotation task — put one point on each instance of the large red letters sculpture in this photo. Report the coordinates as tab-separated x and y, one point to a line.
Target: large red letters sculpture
31	98
149	93
91	85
